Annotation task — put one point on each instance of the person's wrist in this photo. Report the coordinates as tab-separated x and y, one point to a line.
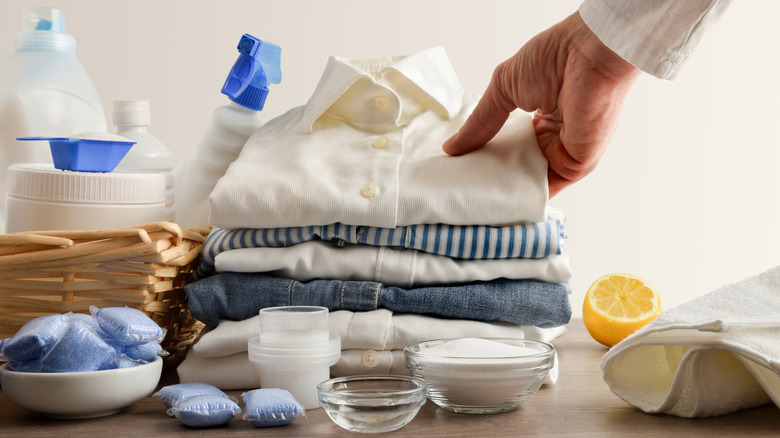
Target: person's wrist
602	58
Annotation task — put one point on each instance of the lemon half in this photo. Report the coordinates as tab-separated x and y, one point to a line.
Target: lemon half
617	305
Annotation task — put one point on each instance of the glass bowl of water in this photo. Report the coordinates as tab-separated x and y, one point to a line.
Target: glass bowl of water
480	375
372	404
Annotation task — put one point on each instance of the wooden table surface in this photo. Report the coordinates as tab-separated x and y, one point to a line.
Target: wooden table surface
580	404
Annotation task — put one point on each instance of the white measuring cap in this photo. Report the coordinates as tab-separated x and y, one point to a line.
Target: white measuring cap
295	350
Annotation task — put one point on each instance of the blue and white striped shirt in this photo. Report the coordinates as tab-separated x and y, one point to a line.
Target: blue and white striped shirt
470	242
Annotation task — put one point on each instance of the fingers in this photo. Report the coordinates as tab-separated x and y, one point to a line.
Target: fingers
485	121
556	183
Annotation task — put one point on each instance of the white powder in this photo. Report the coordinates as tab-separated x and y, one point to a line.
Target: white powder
474	373
98	136
475	347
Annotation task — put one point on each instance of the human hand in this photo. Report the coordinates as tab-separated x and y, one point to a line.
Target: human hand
576	86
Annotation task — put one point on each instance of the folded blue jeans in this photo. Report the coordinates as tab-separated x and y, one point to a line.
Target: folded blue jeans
238	296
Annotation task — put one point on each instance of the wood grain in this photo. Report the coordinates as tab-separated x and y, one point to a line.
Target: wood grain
579	405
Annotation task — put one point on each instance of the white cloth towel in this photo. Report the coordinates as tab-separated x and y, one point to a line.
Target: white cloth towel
716	354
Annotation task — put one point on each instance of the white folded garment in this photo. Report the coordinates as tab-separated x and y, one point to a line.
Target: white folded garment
373	330
220	355
225	372
364	362
366	149
237	372
393	267
716	354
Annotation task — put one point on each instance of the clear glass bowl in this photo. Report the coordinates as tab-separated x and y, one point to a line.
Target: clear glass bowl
372	404
476	383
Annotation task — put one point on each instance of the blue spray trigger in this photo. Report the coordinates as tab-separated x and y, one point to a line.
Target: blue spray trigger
257	66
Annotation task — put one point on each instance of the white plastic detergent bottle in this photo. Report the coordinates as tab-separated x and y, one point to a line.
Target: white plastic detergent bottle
44	91
132	119
257	66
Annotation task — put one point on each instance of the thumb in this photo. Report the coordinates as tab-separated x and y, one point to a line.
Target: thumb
482	125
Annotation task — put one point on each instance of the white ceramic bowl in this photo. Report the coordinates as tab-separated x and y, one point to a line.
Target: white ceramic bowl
85	394
481	384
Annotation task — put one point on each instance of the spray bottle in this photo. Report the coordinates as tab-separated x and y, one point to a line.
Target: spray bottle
257	66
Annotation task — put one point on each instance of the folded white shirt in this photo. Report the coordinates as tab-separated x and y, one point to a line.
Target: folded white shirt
366	150
713	355
373	330
237	372
392	267
363	362
372	342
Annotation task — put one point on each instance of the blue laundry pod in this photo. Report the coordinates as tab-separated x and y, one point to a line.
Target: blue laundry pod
127	326
268	407
27	366
205	410
89	320
79	349
33	339
122	361
143	352
173	394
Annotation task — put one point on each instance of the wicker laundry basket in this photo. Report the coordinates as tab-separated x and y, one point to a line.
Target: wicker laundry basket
145	267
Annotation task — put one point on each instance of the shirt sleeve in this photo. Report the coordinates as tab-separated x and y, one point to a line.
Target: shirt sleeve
656	36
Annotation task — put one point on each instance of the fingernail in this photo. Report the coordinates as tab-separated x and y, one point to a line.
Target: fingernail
449	140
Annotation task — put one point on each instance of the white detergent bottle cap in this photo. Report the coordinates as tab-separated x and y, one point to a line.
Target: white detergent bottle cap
132	112
40	197
43	28
43	18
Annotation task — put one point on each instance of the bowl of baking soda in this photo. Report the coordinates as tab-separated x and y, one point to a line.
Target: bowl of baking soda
480	375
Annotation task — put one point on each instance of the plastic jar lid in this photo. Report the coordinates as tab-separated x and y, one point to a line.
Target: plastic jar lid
276	356
43	182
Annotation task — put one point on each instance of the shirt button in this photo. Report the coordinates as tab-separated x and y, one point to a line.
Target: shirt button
379	143
382	102
370	358
369	190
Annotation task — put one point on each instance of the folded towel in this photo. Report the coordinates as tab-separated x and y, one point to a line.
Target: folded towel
716	354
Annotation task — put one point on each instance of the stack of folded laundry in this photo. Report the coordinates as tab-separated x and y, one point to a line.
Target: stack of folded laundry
349	202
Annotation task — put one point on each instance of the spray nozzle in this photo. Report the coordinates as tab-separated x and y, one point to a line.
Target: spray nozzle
257	66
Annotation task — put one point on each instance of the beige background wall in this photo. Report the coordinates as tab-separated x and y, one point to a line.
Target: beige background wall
687	195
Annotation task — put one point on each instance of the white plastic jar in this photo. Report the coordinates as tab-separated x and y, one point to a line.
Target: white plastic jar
40	197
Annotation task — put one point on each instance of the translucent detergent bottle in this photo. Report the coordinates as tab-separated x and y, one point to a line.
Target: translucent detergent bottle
132	119
44	91
257	66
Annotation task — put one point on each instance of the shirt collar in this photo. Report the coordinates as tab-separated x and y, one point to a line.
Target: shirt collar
429	71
